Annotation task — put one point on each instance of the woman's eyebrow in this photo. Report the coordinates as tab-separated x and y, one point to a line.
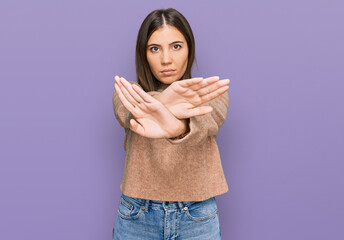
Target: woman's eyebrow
155	44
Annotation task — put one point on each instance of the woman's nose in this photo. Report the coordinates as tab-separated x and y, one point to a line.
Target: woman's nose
166	58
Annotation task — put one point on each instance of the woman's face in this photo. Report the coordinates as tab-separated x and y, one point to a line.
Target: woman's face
167	54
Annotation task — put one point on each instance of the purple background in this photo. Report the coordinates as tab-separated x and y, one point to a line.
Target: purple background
282	151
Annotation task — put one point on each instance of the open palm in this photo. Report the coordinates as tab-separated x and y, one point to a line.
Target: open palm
182	97
153	119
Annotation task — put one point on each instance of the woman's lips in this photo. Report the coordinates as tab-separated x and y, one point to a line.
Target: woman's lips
168	72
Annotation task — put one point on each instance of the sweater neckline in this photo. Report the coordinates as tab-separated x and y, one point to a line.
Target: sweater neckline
162	87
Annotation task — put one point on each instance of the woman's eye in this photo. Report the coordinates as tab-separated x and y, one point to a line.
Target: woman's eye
154	49
177	46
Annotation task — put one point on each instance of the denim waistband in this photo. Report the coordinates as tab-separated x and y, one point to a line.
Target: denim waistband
171	204
142	200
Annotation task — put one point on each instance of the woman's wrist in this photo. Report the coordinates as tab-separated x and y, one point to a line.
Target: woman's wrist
184	129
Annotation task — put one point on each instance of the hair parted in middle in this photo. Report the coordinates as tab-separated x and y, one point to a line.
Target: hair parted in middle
152	22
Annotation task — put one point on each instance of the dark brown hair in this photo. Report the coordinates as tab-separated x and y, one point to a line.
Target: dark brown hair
152	22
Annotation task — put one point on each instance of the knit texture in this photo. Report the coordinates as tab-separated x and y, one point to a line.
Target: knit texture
186	169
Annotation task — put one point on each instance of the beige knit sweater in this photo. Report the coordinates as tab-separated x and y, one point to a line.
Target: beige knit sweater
187	169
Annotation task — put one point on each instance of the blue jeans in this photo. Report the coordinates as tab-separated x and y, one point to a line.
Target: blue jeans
144	219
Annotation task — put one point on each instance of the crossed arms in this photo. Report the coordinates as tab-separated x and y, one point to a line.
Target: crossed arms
172	112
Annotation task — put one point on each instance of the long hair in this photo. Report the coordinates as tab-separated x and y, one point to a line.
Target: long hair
152	22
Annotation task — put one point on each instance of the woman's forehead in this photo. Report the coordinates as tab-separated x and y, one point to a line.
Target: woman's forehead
166	34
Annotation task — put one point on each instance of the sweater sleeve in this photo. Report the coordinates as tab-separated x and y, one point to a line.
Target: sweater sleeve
206	125
121	113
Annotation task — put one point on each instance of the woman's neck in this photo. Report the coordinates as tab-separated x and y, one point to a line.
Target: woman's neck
163	86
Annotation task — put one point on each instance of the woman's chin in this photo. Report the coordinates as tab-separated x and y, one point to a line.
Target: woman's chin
169	79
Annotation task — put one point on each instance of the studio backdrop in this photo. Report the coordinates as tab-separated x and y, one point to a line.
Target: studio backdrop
62	155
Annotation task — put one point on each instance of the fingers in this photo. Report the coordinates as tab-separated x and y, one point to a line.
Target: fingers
214	94
189	82
132	96
196	84
206	89
123	99
142	94
206	82
129	93
213	87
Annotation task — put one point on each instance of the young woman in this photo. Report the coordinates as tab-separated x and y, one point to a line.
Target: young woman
173	169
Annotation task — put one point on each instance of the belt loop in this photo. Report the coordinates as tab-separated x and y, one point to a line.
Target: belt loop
180	204
146	205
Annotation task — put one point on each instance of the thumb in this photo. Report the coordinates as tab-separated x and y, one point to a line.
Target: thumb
202	110
198	111
137	128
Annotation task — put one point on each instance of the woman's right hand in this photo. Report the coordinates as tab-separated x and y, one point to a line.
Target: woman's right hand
182	97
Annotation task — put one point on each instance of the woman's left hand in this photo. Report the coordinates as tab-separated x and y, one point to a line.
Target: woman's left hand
154	120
